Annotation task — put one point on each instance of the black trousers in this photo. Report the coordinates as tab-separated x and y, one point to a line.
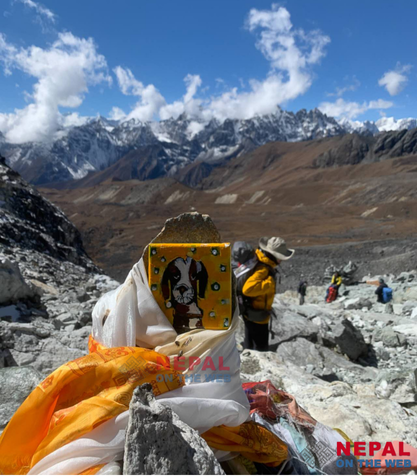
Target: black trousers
256	336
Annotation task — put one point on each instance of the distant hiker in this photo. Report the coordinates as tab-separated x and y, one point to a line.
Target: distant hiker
383	292
333	290
337	279
256	290
302	290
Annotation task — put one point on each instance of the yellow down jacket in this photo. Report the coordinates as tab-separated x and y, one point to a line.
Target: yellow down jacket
337	280
261	285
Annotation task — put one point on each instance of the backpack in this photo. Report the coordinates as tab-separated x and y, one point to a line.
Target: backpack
243	271
242	252
387	294
332	294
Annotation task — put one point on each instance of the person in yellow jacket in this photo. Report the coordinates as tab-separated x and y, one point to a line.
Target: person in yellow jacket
260	287
336	283
337	279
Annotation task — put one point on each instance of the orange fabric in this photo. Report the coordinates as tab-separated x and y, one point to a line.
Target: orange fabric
251	440
78	397
261	285
88	391
93	469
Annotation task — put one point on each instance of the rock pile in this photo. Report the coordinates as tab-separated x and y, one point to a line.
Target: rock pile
347	272
349	361
353	407
351	364
48	288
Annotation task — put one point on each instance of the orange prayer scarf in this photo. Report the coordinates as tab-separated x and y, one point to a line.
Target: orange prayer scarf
88	391
75	399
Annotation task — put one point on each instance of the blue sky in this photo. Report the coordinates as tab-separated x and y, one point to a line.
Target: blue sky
352	59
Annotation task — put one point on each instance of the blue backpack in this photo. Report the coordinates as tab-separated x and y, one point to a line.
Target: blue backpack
387	294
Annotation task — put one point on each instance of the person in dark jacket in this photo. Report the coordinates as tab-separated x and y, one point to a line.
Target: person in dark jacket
379	291
302	290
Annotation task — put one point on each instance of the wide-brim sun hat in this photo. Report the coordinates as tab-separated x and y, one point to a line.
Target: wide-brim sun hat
276	246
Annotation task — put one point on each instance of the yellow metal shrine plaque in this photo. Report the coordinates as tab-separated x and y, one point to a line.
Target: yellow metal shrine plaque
192	284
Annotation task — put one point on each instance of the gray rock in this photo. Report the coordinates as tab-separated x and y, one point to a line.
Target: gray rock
389	308
289	326
186	228
405	277
409	307
389	337
12	284
16	383
358	303
65	317
301	352
158	442
349	339
85	318
82	297
400	386
29	329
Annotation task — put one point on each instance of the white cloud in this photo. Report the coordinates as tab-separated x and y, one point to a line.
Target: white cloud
349	88
150	101
127	82
191	106
41	11
63	72
194	128
395	81
117	114
290	52
351	110
73	120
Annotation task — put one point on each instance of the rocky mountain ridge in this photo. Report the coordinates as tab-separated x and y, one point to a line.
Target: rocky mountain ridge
174	143
48	284
157	149
358	148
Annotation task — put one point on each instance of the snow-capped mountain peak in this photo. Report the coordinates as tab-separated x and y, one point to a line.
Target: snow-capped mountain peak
100	142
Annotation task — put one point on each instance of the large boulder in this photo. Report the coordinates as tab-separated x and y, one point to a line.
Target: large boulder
158	442
301	352
349	340
290	325
16	383
13	287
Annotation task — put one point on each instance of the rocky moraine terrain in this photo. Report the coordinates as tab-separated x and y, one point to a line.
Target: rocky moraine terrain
352	364
48	287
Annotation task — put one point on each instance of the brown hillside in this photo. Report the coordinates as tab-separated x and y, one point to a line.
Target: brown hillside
274	190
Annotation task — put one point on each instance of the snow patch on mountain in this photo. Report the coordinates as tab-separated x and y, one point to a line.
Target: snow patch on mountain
99	143
385	124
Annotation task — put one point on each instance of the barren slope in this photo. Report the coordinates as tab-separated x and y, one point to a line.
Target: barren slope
275	190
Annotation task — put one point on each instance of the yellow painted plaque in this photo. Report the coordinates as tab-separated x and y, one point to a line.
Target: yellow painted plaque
192	284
